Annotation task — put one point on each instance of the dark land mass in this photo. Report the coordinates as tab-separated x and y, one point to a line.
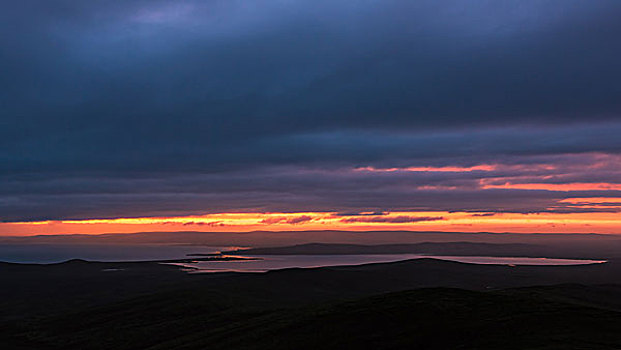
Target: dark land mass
439	318
429	248
424	303
590	246
207	257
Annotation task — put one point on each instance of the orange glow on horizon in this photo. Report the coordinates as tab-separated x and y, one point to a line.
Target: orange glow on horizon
604	222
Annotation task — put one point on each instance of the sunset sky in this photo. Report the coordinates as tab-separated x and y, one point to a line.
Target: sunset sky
187	115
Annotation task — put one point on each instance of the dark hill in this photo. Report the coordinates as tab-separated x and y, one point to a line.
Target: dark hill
86	305
437	318
429	248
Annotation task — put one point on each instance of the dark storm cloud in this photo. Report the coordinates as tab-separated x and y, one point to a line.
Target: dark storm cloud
109	106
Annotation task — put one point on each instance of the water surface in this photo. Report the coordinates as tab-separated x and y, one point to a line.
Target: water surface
275	262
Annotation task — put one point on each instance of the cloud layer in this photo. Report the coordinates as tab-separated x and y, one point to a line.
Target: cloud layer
141	108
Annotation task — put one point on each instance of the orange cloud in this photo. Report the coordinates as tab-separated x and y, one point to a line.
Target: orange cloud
450	169
577	186
460	169
287	220
592	200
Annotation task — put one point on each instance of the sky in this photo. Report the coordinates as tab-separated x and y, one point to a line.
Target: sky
136	115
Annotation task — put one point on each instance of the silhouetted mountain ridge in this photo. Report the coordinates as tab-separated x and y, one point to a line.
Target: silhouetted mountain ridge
430	248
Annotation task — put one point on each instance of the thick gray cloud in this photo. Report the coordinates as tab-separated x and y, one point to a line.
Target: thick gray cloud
108	107
295	188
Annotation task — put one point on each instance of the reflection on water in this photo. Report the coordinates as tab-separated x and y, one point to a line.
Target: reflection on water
275	262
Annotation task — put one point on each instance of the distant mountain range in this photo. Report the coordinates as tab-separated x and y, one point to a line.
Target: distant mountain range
429	248
589	246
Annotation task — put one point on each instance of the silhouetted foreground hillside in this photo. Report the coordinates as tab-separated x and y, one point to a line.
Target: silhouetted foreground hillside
438	318
81	305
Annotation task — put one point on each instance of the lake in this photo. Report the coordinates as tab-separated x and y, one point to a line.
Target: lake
275	262
54	253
